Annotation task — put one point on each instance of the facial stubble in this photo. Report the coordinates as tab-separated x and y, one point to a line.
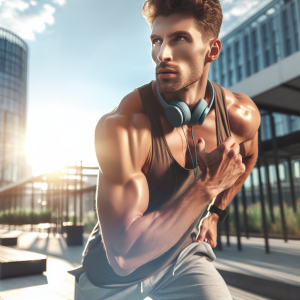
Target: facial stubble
184	78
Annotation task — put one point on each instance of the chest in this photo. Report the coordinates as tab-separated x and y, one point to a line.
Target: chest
177	144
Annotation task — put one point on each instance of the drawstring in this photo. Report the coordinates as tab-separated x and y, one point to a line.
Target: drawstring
142	287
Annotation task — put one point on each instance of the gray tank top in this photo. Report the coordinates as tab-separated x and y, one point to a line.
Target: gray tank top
167	180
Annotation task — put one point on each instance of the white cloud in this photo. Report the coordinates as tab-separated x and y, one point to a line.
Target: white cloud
60	2
235	11
26	18
240	8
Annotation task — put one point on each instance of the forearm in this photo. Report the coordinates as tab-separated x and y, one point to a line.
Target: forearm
152	235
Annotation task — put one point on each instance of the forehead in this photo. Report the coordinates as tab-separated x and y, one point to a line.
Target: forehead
175	22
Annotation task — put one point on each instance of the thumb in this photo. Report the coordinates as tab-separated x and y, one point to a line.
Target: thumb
200	145
201	236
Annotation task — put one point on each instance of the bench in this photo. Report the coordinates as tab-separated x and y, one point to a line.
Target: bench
46	227
14	262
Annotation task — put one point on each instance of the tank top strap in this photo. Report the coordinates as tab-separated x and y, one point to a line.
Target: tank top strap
221	114
147	97
222	119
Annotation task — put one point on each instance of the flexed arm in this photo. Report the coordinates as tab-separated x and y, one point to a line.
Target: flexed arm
131	240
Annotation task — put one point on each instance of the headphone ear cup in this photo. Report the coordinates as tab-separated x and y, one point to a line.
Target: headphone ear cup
198	112
184	109
178	113
205	113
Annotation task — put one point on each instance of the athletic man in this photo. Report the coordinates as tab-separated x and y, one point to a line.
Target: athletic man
151	194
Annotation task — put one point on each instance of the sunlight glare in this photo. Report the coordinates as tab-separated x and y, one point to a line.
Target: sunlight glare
60	136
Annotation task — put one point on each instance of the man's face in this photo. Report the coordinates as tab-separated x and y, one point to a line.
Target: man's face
178	52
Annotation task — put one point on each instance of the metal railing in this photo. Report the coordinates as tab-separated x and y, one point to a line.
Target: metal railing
67	194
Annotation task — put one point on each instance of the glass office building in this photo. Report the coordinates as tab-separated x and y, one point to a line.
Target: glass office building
13	85
264	39
268	40
267	37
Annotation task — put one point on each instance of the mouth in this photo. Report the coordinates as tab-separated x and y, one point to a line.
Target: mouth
166	73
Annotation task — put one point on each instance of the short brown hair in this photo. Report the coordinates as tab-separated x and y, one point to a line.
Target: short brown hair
207	13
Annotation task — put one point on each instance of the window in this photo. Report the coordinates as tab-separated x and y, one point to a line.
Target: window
214	71
281	172
287	34
297	169
266	44
296	28
248	56
230	66
275	39
256	65
294	123
222	69
239	61
2	44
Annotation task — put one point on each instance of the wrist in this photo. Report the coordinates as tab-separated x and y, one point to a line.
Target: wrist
210	192
214	217
222	214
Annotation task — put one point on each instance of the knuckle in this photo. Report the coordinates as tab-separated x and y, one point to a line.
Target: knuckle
238	159
230	153
222	147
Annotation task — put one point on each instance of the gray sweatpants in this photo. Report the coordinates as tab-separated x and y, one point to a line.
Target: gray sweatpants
191	276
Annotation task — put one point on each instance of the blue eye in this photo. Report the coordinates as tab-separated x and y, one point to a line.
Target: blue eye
155	41
180	38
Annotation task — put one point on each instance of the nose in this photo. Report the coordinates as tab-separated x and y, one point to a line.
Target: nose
164	53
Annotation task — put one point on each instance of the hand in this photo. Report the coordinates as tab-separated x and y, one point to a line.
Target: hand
208	230
220	168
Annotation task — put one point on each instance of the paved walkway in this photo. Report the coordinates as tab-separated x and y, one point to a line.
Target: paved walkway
282	264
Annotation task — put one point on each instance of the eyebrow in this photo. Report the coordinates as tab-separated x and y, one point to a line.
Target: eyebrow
176	33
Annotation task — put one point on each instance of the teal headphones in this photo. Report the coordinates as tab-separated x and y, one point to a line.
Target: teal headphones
178	112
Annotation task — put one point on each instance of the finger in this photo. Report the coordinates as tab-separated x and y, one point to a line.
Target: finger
228	146
212	243
201	154
234	153
201	238
229	142
202	234
236	148
240	165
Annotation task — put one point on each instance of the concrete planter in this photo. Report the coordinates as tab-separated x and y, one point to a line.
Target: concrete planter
73	233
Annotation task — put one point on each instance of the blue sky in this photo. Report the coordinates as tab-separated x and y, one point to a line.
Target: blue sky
84	56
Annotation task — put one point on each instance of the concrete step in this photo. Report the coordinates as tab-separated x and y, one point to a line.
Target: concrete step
275	275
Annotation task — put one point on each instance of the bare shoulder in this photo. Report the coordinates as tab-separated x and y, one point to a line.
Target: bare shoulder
244	116
123	138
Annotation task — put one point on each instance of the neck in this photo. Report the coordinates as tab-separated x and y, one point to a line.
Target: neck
192	93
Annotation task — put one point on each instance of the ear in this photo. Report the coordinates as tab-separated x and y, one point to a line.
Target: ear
215	49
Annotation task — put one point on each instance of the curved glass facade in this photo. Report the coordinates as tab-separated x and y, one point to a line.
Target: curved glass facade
13	91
